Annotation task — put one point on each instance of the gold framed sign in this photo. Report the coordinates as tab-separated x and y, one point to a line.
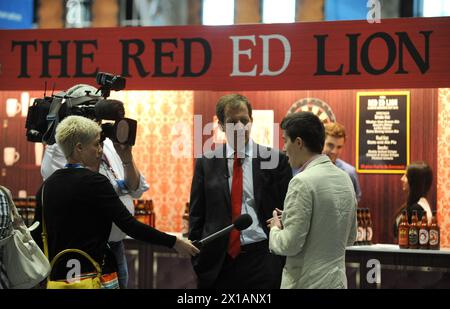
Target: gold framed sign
382	132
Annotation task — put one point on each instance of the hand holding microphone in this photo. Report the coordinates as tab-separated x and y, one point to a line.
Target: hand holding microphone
241	223
185	246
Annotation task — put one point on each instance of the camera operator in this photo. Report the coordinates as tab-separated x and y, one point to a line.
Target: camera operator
118	166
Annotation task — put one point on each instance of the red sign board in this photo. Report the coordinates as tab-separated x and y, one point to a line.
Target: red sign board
396	53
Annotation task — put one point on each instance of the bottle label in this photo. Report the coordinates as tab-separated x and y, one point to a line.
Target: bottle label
141	219
423	237
413	236
369	234
434	237
360	236
403	237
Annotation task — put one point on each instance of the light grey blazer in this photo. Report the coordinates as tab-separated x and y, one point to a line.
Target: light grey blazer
319	221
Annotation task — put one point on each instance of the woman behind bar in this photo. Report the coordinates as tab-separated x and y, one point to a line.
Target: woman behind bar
416	183
80	204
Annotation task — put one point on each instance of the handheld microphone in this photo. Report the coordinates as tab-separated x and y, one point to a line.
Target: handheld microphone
241	223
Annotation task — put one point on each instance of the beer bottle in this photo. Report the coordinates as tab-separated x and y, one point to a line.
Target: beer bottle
151	214
434	232
139	212
364	226
423	232
357	227
369	230
403	231
147	212
359	235
413	232
185	228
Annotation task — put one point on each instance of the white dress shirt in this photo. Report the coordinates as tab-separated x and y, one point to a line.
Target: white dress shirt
254	232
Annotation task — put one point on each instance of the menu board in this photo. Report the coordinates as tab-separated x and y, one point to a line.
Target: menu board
382	130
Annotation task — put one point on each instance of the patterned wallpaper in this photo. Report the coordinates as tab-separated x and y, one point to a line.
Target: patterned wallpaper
163	150
165	124
443	172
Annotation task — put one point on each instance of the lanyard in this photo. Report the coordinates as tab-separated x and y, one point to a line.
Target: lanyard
73	165
108	165
120	182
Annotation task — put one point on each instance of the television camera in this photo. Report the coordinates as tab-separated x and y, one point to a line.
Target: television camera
46	113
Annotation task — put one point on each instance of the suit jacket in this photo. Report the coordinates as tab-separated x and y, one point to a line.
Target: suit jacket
351	171
319	221
210	202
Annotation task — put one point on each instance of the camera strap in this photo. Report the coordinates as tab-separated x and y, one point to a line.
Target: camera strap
53	118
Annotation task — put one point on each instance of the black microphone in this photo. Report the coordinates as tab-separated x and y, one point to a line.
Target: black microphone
109	110
241	223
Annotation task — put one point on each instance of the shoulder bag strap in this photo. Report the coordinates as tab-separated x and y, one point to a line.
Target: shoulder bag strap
17	222
44	228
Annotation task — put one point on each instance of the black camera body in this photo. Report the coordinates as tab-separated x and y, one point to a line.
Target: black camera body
109	82
45	113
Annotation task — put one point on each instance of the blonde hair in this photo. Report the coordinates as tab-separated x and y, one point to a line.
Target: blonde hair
73	130
335	129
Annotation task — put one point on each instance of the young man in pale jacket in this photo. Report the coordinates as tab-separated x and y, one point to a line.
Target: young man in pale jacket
319	217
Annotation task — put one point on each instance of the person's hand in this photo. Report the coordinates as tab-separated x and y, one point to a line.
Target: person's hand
185	246
124	152
279	213
275	221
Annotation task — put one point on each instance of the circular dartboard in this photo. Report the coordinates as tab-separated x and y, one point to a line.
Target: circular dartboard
315	106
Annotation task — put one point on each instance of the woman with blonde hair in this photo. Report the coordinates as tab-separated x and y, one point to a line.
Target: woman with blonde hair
80	205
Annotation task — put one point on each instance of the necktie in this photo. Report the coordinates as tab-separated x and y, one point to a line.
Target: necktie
234	244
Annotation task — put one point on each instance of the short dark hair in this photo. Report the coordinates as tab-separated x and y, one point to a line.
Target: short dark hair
231	101
308	127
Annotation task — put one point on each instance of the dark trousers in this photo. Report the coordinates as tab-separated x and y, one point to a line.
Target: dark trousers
254	268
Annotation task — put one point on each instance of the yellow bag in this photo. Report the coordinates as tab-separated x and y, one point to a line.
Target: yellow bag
85	281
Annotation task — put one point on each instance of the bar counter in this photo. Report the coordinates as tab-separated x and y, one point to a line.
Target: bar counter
159	267
398	268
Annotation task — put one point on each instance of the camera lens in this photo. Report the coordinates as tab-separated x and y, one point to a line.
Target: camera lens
122	131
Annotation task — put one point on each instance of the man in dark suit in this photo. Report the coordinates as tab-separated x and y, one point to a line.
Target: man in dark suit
240	177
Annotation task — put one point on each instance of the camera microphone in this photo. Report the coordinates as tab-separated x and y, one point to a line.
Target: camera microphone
114	82
109	110
109	82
